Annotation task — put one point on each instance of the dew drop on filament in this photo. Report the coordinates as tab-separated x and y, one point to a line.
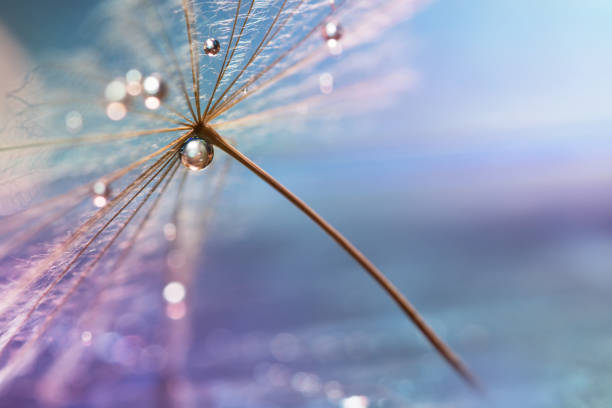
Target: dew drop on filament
212	46
101	193
196	154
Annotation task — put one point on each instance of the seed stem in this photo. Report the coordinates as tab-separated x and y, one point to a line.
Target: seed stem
212	136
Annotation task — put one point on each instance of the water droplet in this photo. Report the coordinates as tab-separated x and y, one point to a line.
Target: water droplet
332	30
196	154
101	192
212	46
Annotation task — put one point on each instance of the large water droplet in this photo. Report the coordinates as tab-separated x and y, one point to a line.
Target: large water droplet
212	46
196	154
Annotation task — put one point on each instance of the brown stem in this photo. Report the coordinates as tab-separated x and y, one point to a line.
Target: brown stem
213	137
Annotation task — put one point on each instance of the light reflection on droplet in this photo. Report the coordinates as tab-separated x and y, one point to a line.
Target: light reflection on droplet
116	110
74	121
174	292
326	83
355	401
176	311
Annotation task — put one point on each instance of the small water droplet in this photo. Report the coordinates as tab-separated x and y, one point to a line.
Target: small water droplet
332	30
196	154
101	192
212	46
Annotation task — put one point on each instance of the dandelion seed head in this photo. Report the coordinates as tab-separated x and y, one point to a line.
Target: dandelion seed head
140	61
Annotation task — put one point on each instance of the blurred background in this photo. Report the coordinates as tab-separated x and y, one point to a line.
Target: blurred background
485	195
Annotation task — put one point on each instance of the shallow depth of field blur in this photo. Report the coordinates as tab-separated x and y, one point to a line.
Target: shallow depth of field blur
485	194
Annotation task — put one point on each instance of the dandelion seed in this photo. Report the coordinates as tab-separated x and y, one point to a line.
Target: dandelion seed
111	259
